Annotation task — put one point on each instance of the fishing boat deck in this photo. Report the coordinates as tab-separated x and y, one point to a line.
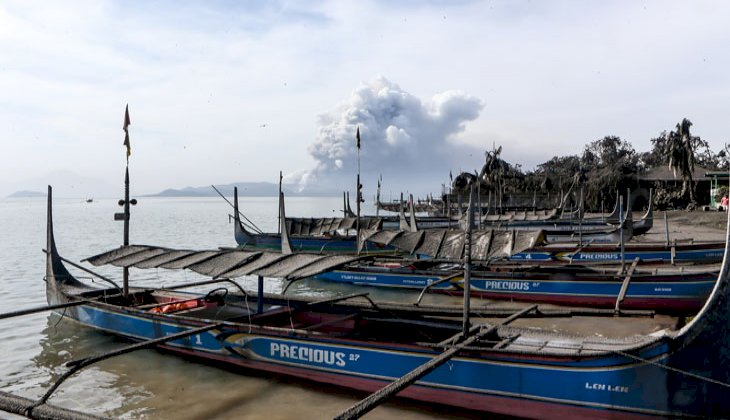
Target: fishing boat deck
358	323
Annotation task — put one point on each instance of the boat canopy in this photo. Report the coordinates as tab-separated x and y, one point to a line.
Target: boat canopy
521	216
223	263
448	244
437	243
320	226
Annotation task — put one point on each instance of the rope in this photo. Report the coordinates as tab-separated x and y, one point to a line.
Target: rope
630	356
673	369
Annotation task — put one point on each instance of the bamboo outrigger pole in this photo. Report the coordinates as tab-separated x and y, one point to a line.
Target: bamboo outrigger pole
76	365
468	335
393	388
43	308
20	405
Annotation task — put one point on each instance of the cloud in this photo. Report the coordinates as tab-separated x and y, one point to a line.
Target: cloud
402	137
202	78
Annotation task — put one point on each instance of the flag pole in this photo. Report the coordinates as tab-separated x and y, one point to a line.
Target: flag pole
127	122
125	276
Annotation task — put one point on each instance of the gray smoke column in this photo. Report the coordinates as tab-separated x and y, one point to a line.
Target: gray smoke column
407	140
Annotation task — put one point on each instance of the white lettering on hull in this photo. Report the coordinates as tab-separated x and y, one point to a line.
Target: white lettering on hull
308	354
607	387
507	285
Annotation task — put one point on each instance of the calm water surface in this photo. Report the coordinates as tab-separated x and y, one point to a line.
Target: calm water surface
147	383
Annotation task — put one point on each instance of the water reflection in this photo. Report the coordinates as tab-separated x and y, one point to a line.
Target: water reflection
148	383
99	389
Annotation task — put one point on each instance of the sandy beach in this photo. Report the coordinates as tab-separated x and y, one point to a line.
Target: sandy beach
685	226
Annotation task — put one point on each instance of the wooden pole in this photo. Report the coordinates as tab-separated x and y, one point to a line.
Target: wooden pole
20	405
406	380
357	222
358	191
281	177
125	272
621	227
479	204
260	297
76	365
43	308
467	262
435	283
625	285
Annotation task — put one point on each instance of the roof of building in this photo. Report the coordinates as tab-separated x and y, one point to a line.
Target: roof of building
663	173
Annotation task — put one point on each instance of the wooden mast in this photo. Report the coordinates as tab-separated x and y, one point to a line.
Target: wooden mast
126	201
125	285
125	127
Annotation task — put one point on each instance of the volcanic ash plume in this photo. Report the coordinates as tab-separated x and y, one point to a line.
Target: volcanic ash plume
403	137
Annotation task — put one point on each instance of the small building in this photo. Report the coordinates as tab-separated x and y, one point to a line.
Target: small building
718	179
662	176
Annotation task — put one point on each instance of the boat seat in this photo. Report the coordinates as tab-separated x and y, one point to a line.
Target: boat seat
219	313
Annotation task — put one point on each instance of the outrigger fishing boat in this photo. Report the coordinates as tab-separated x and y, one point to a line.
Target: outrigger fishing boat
557	231
672	252
407	350
668	289
558	228
326	236
523	245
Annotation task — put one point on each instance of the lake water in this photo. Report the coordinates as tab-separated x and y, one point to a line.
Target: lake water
147	383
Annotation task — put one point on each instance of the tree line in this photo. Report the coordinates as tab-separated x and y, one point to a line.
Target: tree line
607	165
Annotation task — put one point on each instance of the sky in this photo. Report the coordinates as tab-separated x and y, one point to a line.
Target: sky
235	91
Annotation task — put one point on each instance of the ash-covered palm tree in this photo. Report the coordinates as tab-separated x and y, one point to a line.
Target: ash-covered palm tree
680	156
494	170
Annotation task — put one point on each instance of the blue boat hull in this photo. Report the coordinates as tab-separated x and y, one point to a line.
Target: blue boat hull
383	279
310	244
683	373
669	293
693	253
599	387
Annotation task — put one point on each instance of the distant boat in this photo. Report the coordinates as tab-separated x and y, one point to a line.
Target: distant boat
305	237
89	200
663	289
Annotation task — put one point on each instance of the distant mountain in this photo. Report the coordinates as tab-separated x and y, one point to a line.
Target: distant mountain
66	184
26	194
245	189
